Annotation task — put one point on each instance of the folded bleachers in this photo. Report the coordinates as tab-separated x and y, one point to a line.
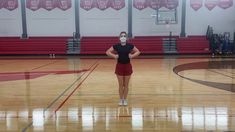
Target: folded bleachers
193	45
33	45
96	45
149	44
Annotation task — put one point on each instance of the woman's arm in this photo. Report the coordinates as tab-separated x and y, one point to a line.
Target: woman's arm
135	53
110	53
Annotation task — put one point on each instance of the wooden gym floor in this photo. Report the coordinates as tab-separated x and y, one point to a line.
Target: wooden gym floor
183	93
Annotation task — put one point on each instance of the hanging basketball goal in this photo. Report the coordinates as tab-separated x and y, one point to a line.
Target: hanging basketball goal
165	16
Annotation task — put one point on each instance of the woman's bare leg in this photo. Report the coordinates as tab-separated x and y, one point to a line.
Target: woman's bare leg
126	86
121	86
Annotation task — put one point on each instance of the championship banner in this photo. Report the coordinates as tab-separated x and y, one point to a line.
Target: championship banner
2	3
33	4
154	4
196	4
140	4
210	4
11	4
171	4
163	3
48	4
64	4
224	4
87	4
103	4
117	4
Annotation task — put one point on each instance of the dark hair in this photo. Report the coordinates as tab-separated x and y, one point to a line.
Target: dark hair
122	33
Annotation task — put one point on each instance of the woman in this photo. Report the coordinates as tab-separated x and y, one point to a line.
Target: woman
123	52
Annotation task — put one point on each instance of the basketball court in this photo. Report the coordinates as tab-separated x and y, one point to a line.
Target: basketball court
72	93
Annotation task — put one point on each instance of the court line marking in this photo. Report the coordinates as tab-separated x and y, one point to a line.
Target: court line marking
78	86
63	92
220	73
44	65
228	71
38	66
68	88
94	64
224	71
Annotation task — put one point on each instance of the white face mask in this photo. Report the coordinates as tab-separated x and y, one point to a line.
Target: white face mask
123	39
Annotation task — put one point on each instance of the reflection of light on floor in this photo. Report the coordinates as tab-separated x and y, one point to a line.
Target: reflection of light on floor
23	114
38	119
107	119
58	115
210	122
98	114
90	118
199	118
222	118
187	118
137	118
2	114
149	114
87	118
10	120
73	114
172	114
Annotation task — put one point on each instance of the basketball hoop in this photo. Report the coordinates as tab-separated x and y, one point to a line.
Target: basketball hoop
167	23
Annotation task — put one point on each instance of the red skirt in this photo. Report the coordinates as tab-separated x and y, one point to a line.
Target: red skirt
123	69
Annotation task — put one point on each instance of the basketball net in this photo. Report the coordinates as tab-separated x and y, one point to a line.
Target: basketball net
167	22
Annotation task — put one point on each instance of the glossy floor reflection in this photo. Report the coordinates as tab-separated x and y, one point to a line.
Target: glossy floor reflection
78	94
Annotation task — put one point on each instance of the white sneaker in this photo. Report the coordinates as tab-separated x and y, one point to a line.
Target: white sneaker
120	102
125	102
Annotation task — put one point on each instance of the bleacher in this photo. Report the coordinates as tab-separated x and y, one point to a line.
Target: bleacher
148	44
33	45
193	45
98	45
